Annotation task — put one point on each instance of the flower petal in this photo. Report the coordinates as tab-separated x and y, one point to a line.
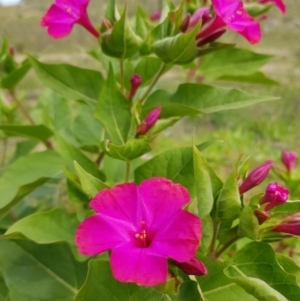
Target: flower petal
57	15
120	202
162	200
180	238
58	31
97	234
139	265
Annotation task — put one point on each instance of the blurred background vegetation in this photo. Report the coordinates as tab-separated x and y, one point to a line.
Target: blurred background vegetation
264	129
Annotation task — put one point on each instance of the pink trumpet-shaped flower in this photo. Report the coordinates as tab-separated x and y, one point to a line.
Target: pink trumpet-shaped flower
289	159
142	225
231	13
149	121
275	195
63	14
279	3
290	224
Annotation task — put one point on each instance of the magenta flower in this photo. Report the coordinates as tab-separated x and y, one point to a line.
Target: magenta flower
279	3
231	13
192	267
142	225
275	195
149	121
289	160
290	225
256	176
63	14
135	81
155	16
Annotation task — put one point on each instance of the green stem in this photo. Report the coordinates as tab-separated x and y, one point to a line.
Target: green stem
226	246
122	75
100	158
214	238
156	78
128	164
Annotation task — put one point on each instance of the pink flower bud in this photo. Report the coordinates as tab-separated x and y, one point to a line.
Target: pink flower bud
185	23
135	82
192	267
256	176
12	51
202	14
155	16
149	121
261	216
290	225
275	195
289	159
213	37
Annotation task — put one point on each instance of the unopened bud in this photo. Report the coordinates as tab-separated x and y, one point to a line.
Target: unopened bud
261	216
210	39
256	176
149	121
108	25
155	16
275	195
290	224
192	267
12	51
289	159
185	23
135	82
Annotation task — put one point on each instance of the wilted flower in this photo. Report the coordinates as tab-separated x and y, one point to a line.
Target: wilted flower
275	195
256	176
135	82
192	267
142	225
290	224
63	14
279	3
155	16
231	13
149	121
289	159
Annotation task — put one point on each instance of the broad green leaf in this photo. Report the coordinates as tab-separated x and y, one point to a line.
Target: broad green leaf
207	183
111	11
142	24
194	99
228	204
39	132
23	148
121	42
175	164
25	174
232	62
180	49
40	272
113	111
256	269
4	292
207	235
90	184
13	78
248	225
70	153
71	82
217	287
132	149
47	227
254	78
287	208
100	284
289	265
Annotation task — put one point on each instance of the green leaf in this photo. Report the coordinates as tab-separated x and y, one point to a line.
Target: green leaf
207	235
71	82
289	265
132	149
53	226
13	78
121	41
40	272
4	292
181	49
229	203
257	9
25	174
216	286
194	99
90	184
232	62
207	183
113	111
70	154
248	225
161	125
23	148
100	284
175	164
256	269
111	11
287	208
39	132
253	78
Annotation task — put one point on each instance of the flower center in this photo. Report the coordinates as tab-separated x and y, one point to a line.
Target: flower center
141	238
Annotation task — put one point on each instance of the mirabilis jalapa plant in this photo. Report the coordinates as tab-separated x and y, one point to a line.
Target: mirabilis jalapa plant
166	228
